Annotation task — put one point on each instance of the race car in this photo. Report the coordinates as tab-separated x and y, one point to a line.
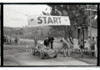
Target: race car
44	52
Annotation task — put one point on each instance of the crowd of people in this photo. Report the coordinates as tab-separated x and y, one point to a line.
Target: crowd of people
68	46
10	40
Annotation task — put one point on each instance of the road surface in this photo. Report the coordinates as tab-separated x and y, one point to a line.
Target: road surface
18	56
26	58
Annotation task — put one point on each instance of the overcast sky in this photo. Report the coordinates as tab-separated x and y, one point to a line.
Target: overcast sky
17	15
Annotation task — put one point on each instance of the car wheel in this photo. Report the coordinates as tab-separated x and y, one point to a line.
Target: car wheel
33	52
55	56
41	55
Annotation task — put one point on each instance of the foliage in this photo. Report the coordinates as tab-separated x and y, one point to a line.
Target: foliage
78	16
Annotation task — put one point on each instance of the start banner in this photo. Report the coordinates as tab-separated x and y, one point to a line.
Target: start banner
48	20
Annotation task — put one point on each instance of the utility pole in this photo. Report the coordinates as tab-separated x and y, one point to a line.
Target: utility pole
90	11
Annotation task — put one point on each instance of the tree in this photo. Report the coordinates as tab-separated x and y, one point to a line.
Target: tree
77	14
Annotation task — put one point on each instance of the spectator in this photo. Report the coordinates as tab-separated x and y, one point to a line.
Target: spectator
81	48
70	46
95	46
16	40
92	46
35	41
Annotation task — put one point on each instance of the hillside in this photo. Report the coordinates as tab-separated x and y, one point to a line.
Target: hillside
40	32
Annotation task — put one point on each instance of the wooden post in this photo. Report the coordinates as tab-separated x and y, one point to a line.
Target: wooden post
66	33
83	37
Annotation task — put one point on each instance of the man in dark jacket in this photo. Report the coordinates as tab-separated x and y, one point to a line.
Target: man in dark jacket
51	39
46	42
49	42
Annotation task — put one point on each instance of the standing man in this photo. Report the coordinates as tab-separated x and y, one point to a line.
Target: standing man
16	40
65	47
95	46
35	41
81	48
70	46
92	46
51	39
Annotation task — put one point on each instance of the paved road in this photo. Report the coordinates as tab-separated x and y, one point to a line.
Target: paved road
16	55
29	59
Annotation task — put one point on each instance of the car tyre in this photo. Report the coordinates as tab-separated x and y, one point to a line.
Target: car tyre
33	52
41	55
55	56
